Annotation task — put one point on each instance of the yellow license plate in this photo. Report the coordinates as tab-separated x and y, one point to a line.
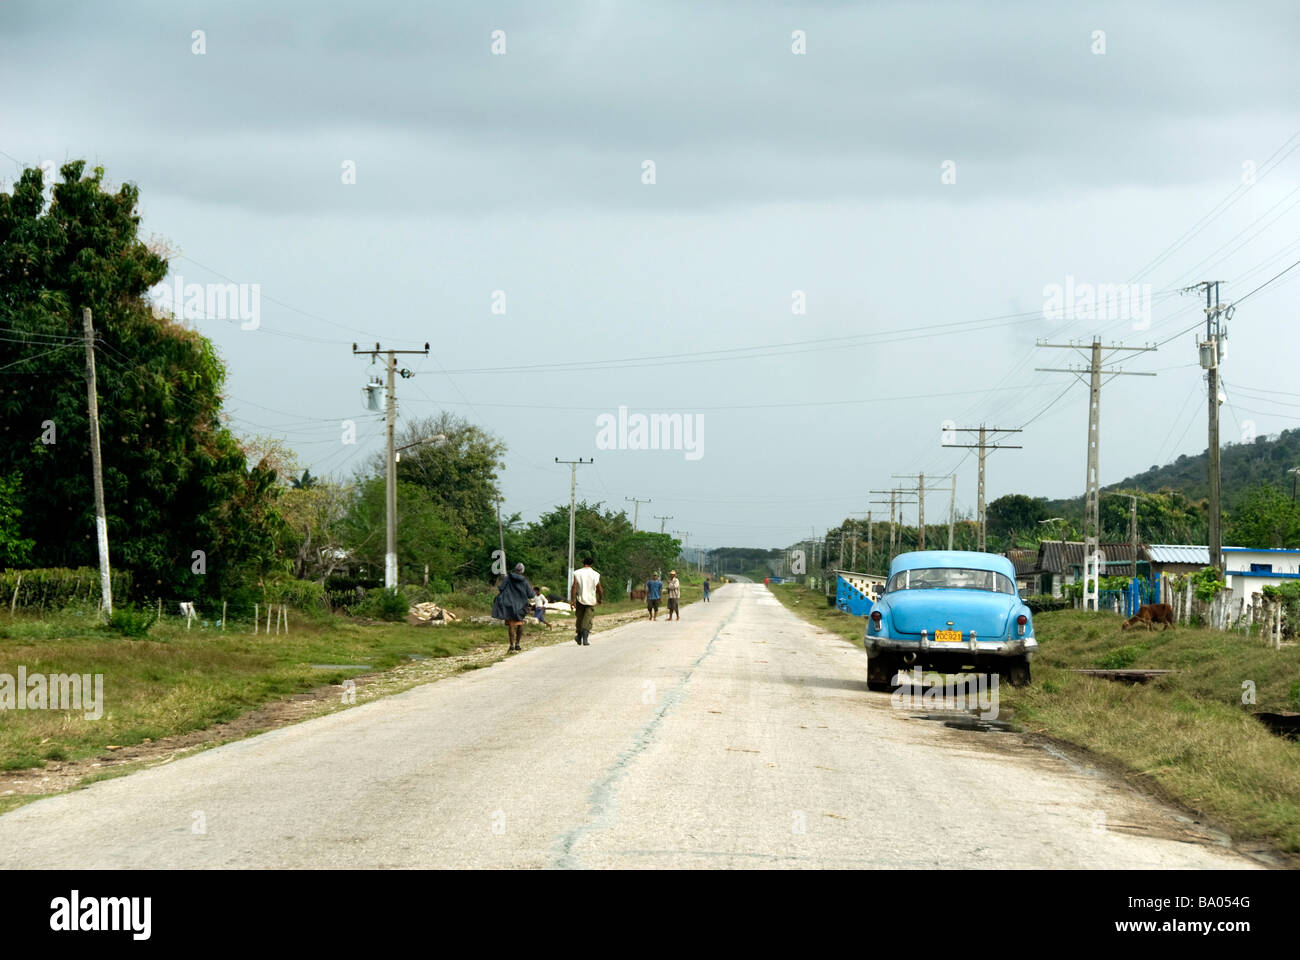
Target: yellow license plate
947	636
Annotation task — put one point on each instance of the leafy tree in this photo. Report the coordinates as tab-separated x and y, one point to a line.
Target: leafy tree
427	532
15	550
175	479
314	512
1015	513
1267	517
460	475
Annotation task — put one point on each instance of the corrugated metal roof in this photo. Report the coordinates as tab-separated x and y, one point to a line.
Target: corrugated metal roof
1175	553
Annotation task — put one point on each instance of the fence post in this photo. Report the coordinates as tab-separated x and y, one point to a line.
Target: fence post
257	616
223	616
15	599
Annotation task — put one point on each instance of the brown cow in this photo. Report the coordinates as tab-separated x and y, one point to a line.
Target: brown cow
1150	613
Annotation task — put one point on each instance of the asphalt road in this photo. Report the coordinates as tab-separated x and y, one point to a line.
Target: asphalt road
736	737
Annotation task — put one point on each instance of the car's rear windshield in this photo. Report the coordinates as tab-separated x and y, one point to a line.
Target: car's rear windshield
959	578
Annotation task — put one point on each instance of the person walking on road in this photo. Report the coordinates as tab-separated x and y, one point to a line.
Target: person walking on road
706	589
674	590
514	597
653	591
584	593
539	607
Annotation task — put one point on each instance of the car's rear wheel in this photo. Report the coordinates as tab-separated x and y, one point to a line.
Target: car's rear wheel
1017	673
880	673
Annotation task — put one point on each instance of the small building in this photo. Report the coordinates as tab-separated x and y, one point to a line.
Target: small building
1247	570
1061	562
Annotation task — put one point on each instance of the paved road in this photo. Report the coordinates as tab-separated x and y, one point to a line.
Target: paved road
737	737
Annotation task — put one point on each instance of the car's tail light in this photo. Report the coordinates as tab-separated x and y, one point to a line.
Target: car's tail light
875	619
1020	624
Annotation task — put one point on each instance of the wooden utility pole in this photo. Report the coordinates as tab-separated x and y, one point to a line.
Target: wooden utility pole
1092	514
920	505
573	491
895	502
390	416
96	466
981	516
636	510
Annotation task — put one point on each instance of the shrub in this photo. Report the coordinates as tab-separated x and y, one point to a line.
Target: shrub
307	595
1044	601
383	604
53	588
1120	659
130	622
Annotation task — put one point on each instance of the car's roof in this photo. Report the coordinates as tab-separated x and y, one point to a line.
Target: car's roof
970	559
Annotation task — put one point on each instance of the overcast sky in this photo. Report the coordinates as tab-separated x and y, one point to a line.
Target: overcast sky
918	165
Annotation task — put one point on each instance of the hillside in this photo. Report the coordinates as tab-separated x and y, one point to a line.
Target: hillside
1241	466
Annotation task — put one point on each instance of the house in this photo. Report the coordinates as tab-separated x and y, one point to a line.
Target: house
1176	559
1061	562
1028	581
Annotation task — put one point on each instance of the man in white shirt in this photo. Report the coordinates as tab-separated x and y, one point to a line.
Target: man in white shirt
584	593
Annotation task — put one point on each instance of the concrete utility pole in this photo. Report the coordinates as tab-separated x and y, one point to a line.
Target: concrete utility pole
981	518
96	465
573	491
661	521
390	550
1091	512
1133	528
636	511
920	505
952	509
1211	350
868	541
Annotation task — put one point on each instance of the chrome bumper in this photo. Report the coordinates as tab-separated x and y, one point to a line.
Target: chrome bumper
1017	647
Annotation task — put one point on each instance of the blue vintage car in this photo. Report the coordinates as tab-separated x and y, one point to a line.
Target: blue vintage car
952	611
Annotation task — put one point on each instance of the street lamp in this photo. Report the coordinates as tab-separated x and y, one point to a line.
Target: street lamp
439	439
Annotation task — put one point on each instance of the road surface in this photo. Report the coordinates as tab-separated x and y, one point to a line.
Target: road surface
737	737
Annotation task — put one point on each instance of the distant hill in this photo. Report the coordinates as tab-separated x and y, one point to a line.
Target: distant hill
1241	466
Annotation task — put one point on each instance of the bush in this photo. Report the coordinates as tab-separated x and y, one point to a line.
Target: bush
1120	659
1044	601
53	588
306	595
383	604
128	621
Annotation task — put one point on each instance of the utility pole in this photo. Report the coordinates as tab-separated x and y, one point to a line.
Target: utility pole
390	550
661	520
841	539
96	465
1133	528
573	491
868	541
952	509
1211	350
981	524
895	502
636	510
853	553
920	505
1091	509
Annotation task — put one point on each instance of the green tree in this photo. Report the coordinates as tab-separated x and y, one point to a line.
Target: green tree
1016	514
175	479
1266	517
15	550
